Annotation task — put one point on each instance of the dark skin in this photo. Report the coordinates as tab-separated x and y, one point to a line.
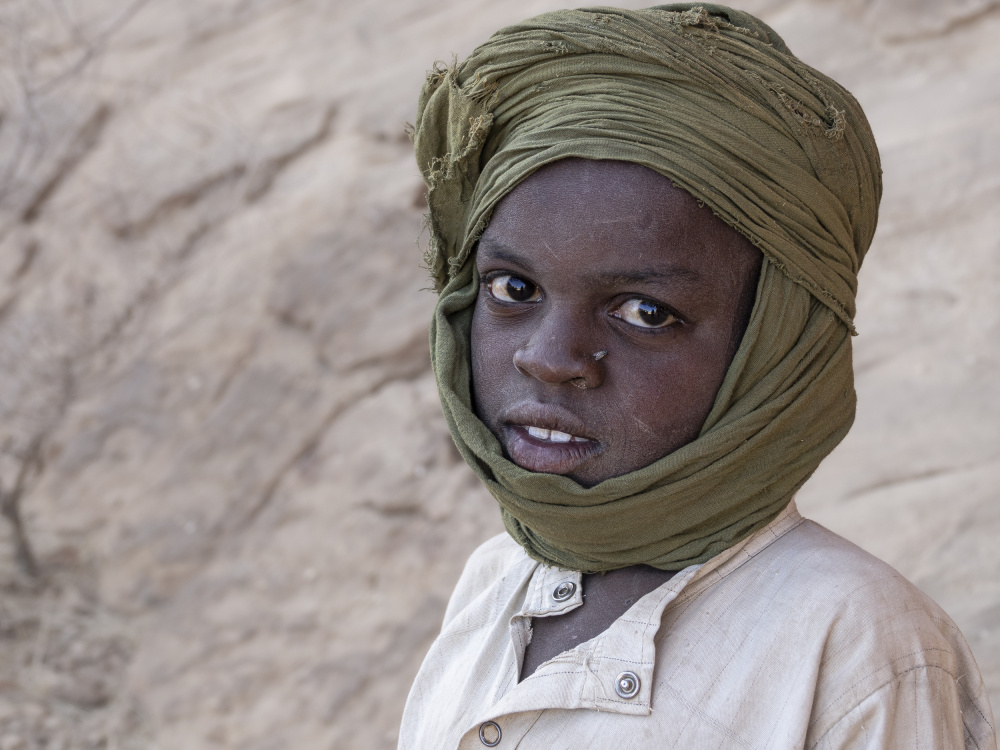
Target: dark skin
586	257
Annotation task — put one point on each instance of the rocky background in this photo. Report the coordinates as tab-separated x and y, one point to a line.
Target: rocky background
216	410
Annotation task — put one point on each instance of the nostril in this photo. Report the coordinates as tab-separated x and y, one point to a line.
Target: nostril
558	367
517	365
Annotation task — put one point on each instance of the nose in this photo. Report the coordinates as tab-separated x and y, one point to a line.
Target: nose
561	351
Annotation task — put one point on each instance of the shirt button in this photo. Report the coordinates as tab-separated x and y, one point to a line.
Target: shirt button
564	591
489	733
627	685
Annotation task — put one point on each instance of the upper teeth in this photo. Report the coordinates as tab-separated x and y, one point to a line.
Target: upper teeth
553	435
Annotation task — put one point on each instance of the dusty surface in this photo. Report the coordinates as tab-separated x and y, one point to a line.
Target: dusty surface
248	514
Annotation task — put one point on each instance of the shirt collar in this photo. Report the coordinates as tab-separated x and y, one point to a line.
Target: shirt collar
589	675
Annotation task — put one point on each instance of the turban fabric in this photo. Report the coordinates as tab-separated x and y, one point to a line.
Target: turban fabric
712	99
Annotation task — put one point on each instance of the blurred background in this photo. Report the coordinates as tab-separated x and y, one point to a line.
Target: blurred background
232	514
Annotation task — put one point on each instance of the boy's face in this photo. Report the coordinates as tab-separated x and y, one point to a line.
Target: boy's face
585	257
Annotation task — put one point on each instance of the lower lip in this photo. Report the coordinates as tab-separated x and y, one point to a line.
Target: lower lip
545	456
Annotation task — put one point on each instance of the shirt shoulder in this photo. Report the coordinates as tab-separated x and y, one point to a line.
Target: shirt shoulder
806	574
861	607
850	645
835	578
877	636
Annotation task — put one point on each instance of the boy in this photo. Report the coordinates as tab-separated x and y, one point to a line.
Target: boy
646	230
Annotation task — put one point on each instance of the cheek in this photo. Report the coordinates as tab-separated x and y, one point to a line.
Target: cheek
488	354
672	392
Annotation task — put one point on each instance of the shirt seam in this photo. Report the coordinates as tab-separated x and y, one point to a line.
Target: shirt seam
539	675
895	676
631	662
620	702
696	710
695	587
888	683
721	614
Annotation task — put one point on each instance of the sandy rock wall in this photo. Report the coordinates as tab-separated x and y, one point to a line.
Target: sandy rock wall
246	511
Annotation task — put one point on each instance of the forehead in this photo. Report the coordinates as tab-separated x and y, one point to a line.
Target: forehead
600	192
610	216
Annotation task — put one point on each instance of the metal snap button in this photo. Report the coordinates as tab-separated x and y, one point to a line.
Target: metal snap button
489	733
627	685
564	591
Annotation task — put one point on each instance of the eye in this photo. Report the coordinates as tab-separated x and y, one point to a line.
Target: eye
508	288
644	313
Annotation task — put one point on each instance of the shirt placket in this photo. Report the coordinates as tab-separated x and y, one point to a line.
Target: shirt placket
612	672
551	592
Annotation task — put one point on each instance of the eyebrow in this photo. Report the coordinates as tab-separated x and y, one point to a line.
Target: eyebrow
496	251
670	273
501	252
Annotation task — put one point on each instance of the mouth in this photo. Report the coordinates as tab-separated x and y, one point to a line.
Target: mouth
547	439
546	435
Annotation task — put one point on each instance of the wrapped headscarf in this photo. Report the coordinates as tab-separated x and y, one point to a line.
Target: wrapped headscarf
711	98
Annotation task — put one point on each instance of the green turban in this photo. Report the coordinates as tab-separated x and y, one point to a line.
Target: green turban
711	98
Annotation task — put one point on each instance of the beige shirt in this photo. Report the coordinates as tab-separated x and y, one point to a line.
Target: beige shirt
795	638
